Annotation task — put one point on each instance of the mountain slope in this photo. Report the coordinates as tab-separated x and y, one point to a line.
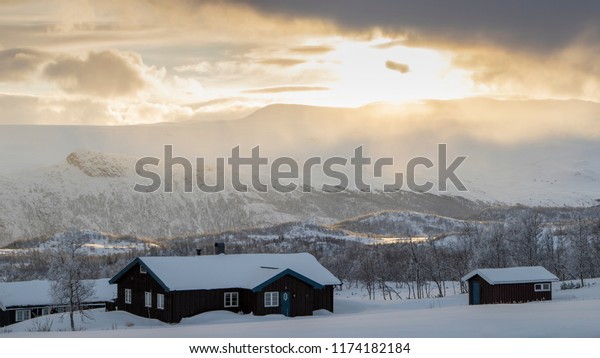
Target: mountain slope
90	190
517	151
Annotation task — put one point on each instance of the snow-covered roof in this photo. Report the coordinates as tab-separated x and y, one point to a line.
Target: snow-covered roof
38	292
509	275
249	271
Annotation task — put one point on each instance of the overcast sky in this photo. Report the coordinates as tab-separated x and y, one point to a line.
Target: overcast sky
143	61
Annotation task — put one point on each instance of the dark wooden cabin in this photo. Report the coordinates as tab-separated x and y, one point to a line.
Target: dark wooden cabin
509	285
23	300
172	288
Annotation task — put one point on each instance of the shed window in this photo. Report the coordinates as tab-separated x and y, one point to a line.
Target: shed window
143	269
160	301
148	299
22	315
127	295
541	287
271	299
231	299
45	311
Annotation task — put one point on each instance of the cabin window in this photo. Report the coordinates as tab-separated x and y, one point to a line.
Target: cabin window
22	315
541	287
148	299
45	311
160	301
231	299
271	299
127	295
143	269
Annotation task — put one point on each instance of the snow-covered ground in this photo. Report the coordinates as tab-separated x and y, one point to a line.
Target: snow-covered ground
572	313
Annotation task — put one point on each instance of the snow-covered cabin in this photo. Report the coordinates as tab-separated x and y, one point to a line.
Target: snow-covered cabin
509	285
171	288
23	300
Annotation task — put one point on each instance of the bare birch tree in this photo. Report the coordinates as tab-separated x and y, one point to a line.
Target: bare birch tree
67	271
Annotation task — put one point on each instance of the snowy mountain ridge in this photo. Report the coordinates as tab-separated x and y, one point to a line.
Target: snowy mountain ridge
94	191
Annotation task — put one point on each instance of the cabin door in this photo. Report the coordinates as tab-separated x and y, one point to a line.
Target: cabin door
285	303
476	292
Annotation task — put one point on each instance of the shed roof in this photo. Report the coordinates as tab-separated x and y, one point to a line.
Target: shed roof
527	274
249	271
38	293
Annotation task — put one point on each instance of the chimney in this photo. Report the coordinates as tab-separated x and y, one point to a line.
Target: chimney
219	248
198	252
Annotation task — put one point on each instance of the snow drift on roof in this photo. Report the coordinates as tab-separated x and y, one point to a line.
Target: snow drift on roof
232	271
508	275
34	293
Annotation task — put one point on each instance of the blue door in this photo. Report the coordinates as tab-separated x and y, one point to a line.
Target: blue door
285	303
475	293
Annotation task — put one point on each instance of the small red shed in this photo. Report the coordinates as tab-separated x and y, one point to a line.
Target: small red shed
510	285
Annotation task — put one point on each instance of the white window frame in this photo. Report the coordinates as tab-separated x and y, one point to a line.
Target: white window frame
143	269
232	299
22	315
160	301
46	311
128	295
148	299
542	287
271	299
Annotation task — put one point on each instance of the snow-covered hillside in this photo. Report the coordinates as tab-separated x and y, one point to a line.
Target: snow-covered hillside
55	178
403	223
94	191
517	151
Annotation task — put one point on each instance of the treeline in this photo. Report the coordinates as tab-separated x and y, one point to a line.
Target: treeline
571	250
423	268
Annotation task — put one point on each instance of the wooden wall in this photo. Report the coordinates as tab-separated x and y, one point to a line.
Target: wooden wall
5	318
323	299
301	301
139	283
10	315
191	303
507	293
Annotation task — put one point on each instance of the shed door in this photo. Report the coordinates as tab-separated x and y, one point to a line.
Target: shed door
476	293
285	303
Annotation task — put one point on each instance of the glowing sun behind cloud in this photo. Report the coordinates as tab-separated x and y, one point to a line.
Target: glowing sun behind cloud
356	72
114	62
369	74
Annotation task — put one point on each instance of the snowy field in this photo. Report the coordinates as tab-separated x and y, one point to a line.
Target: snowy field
573	313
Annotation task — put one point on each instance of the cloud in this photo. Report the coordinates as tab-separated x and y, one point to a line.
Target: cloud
390	44
106	73
283	62
312	50
64	25
534	25
396	66
231	75
18	64
570	73
282	89
17	109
